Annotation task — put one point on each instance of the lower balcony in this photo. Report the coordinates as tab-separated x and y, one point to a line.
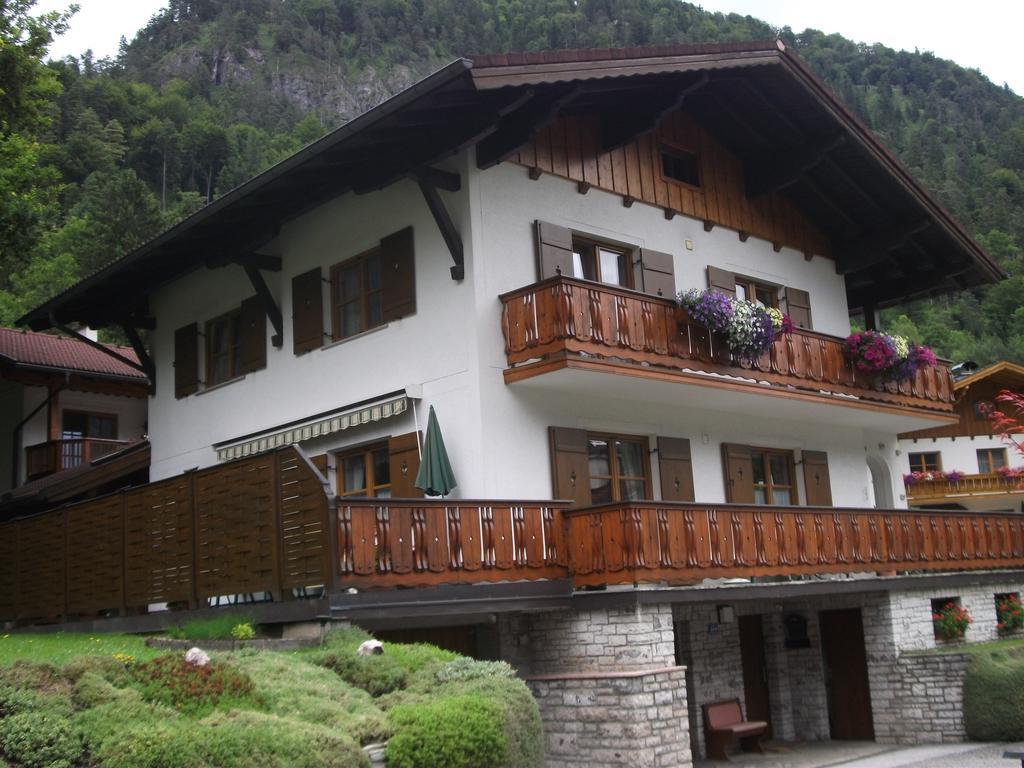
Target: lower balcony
980	491
54	456
563	324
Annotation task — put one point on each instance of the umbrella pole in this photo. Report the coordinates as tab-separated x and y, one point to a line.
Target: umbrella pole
416	426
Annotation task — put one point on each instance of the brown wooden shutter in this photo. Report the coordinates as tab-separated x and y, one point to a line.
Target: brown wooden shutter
307	312
398	275
816	479
739	474
554	250
320	462
798	307
186	360
655	273
570	471
721	280
404	454
676	469
252	327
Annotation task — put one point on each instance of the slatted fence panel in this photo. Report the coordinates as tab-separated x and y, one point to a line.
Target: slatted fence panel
41	560
158	543
8	570
304	523
95	535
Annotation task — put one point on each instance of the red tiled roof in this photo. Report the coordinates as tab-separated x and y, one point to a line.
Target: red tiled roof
44	350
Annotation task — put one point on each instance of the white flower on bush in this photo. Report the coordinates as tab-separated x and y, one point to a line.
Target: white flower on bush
902	346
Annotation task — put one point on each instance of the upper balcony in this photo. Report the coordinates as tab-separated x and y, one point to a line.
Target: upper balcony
43	459
563	324
980	491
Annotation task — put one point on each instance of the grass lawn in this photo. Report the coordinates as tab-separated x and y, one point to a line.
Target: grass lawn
1003	644
59	648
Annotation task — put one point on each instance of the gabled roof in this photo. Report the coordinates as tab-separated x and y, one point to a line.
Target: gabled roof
1004	374
47	352
892	239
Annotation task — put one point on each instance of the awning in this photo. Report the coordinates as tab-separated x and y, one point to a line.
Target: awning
320	427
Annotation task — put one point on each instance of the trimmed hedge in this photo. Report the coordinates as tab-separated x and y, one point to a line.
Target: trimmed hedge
40	739
456	732
994	695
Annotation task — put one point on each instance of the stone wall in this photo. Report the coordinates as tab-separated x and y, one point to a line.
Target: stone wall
924	700
614	719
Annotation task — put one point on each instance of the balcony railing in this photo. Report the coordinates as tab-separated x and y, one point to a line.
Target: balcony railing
561	318
967	485
409	542
53	456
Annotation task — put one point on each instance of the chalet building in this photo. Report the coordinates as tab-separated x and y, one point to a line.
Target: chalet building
964	465
640	516
65	404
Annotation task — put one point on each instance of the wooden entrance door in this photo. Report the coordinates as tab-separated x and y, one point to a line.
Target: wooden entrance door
846	675
755	671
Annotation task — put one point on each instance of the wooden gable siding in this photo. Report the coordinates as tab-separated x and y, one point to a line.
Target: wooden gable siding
971	424
569	148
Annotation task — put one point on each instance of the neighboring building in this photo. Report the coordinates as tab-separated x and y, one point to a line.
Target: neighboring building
503	242
64	404
965	465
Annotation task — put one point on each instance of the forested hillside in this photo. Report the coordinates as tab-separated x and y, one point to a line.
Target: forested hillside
97	156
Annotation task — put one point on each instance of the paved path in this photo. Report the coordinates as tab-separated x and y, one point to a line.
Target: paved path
870	755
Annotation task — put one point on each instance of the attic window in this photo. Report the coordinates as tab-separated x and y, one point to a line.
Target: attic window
679	165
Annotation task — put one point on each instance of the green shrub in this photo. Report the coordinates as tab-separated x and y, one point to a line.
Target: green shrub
40	739
216	628
44	678
14	701
524	734
91	690
463	669
243	631
994	696
189	687
110	668
457	732
376	675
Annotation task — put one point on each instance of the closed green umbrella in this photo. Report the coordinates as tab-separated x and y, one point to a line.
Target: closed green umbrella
435	477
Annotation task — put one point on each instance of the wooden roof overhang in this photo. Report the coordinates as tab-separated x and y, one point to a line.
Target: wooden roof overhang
890	238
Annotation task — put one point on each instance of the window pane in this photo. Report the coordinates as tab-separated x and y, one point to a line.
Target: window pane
757	462
354	474
765	296
998	459
351	285
630	458
75	424
611	267
103	427
632	490
983	463
781	496
779	468
351	318
381	467
577	265
383	493
598	455
373	273
759	495
600	490
220	369
375	309
741	291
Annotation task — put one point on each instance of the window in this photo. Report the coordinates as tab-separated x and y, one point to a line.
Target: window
991	459
925	462
678	164
365	472
759	293
358	303
773	477
223	349
77	424
601	262
618	468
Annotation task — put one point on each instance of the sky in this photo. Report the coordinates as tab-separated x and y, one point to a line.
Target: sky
983	34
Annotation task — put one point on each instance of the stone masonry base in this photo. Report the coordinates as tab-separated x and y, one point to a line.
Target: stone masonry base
614	719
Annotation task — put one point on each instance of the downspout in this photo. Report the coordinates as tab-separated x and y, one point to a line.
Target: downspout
23	422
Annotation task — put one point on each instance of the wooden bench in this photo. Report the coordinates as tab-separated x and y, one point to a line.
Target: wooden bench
723	722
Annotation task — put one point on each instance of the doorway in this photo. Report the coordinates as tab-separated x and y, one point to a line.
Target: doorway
846	675
755	670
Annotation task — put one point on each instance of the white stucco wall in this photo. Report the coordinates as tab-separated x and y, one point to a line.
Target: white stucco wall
452	352
960	453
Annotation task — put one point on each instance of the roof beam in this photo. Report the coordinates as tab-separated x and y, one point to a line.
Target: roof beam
786	170
874	249
627	124
521	125
426	180
101	347
267	302
143	354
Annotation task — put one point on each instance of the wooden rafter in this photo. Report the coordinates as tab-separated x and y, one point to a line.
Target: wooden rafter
626	123
267	302
522	124
874	249
785	170
428	180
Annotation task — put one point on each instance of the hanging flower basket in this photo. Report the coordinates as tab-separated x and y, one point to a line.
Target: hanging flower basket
749	329
890	358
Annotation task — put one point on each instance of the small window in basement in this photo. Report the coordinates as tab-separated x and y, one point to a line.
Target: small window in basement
949	619
1009	613
678	164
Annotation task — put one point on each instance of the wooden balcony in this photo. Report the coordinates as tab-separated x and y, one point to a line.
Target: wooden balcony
54	456
563	322
410	543
968	485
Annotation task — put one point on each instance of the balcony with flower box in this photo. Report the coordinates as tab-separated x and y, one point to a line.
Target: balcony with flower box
564	331
972	491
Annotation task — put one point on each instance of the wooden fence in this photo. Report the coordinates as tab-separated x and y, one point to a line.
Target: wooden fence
682	542
260	524
966	485
563	315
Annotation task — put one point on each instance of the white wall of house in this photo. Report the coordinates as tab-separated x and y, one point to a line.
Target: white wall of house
960	453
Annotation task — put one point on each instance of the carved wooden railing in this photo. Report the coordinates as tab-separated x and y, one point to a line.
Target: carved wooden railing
259	524
967	485
53	456
624	543
423	542
563	316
